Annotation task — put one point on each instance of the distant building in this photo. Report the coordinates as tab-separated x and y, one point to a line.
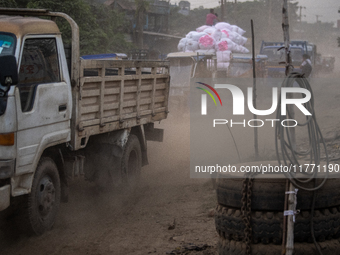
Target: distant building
184	7
155	29
156	18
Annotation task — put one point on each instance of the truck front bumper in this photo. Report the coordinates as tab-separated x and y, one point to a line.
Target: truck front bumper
6	168
6	172
5	197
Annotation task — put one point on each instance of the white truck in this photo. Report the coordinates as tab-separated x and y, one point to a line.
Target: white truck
89	118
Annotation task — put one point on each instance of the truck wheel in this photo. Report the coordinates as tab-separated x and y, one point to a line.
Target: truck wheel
44	199
131	162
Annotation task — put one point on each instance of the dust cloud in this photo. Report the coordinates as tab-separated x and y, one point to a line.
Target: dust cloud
135	221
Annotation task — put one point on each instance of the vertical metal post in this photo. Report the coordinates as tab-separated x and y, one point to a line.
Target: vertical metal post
292	196
291	220
222	10
256	145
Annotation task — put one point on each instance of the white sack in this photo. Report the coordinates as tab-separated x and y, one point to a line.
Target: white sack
222	66
223	56
202	28
222	25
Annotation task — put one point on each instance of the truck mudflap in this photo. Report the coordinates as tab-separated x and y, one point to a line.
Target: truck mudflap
5	197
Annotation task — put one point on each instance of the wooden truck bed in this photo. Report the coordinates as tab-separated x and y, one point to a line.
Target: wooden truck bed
117	94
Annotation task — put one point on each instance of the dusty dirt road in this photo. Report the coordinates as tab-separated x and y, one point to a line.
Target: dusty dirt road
96	223
132	223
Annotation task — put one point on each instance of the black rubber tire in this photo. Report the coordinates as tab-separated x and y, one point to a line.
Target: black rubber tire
131	163
269	194
44	199
230	247
267	226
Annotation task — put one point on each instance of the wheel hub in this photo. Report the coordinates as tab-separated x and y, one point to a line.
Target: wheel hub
46	196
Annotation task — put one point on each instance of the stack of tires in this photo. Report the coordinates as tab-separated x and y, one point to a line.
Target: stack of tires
267	206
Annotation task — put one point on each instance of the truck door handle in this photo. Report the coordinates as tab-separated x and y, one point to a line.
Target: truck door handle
62	107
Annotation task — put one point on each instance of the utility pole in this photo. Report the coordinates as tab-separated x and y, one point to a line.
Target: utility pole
292	191
317	18
269	18
301	7
225	9
222	10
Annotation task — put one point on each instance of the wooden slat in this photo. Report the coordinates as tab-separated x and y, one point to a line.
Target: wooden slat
109	120
90	93
93	79
122	101
102	91
153	91
139	72
90	109
121	97
92	64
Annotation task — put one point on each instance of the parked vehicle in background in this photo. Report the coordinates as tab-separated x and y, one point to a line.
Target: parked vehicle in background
91	118
312	52
328	63
276	56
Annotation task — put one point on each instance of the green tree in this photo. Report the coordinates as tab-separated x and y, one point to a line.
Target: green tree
8	3
97	25
114	26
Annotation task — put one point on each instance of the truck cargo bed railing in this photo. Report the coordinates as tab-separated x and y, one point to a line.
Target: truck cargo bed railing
111	101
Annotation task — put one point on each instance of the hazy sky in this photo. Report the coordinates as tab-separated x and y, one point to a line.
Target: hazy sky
328	9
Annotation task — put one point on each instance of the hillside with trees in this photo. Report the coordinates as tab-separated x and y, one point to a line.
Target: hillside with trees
101	29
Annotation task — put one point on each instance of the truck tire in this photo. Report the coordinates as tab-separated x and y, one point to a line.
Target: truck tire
230	247
269	194
44	199
267	226
131	162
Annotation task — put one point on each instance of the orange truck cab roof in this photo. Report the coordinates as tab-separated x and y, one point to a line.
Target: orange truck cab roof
21	26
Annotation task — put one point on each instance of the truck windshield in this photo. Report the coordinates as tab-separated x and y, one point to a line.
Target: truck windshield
7	43
279	56
7	47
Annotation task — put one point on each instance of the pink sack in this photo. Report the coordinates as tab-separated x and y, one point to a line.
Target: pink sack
225	32
222	46
206	42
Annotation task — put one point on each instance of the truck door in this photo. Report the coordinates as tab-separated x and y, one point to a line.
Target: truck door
43	101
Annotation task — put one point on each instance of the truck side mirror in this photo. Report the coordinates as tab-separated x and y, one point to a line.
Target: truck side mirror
8	70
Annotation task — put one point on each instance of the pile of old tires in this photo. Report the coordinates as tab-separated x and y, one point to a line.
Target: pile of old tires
267	206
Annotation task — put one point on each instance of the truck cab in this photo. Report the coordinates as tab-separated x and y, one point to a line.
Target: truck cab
29	113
